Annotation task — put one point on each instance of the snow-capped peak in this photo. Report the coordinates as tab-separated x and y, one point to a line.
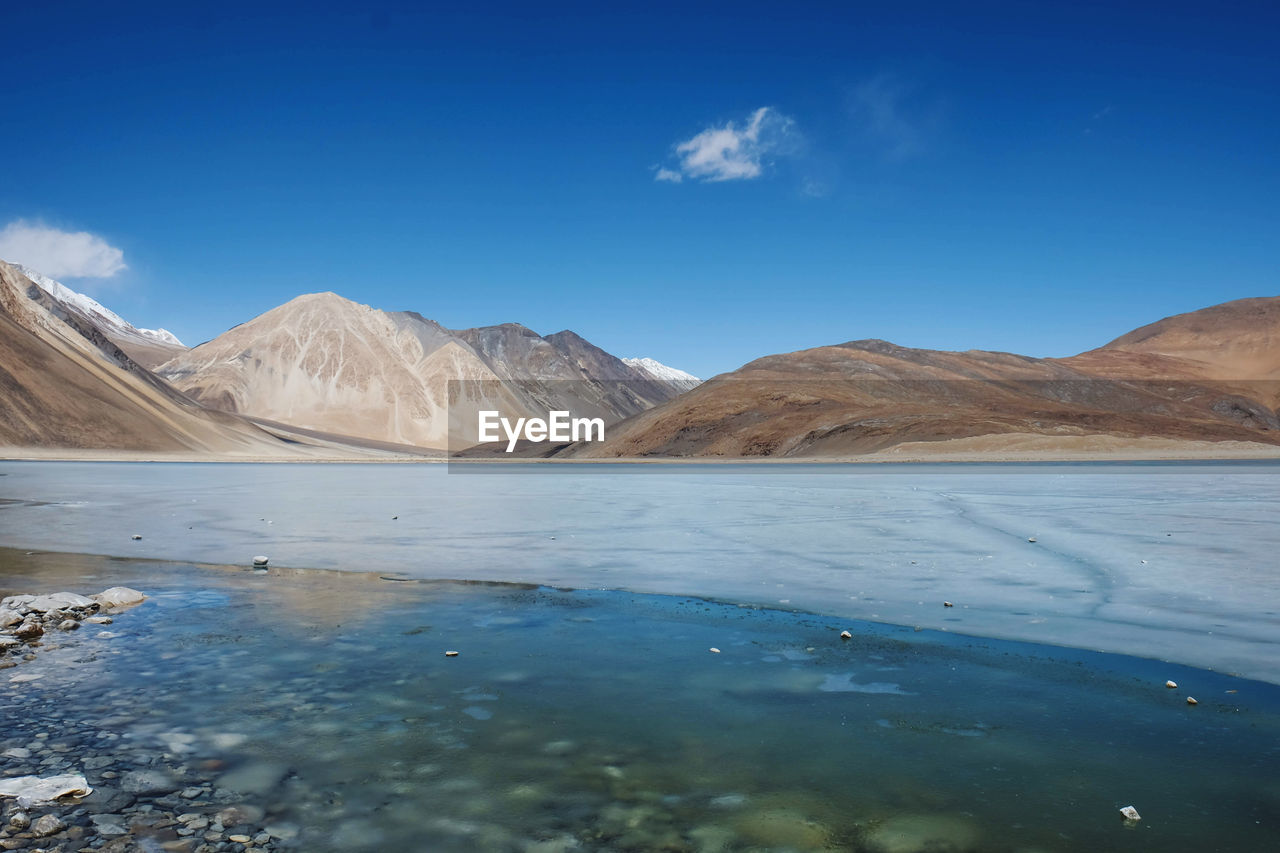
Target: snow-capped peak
96	310
658	370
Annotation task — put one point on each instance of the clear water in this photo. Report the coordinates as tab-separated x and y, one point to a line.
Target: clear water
1173	561
602	721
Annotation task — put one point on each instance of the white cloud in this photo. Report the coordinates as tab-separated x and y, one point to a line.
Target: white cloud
730	153
59	254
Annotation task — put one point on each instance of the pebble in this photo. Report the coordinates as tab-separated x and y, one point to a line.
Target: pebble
47	825
451	654
1130	813
1171	684
1191	700
260	560
947	604
136	537
845	635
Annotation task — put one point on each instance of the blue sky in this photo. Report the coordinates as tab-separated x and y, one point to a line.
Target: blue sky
1019	176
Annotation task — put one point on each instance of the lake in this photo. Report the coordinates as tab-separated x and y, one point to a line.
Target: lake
650	657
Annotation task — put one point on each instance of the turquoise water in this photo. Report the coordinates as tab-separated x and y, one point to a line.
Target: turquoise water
600	720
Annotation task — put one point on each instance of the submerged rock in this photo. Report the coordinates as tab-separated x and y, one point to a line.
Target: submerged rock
49	824
258	777
148	782
911	833
783	828
1130	813
35	790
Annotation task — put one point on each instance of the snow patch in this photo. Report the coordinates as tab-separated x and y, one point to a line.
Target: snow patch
658	370
96	310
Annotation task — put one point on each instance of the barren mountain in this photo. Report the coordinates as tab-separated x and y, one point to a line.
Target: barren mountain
866	396
323	362
63	383
1237	340
148	347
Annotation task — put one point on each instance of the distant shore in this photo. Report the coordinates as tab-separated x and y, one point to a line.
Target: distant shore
1017	447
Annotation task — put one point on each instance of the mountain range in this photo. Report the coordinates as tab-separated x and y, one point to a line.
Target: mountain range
322	375
320	367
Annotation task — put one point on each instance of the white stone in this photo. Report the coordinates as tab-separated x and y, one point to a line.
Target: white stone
260	560
120	596
1130	813
58	601
34	790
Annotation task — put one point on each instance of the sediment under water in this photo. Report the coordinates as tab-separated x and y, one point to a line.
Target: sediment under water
603	721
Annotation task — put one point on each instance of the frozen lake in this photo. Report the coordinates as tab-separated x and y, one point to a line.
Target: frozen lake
1169	561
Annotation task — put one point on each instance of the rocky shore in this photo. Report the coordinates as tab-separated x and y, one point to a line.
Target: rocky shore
25	619
139	800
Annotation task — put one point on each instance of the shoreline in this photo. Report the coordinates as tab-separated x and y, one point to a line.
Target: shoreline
1221	452
1003	447
360	577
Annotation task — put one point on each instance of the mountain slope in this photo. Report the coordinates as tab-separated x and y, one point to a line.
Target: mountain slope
148	347
63	383
866	396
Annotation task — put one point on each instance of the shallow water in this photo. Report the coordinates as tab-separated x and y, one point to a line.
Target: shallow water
602	720
1171	561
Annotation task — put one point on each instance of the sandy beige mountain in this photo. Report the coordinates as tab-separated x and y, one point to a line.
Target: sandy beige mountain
326	363
1171	382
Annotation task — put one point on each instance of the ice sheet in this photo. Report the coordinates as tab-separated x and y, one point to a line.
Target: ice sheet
1172	561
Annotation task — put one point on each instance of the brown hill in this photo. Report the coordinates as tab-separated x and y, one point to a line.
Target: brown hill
1235	341
1167	381
63	383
